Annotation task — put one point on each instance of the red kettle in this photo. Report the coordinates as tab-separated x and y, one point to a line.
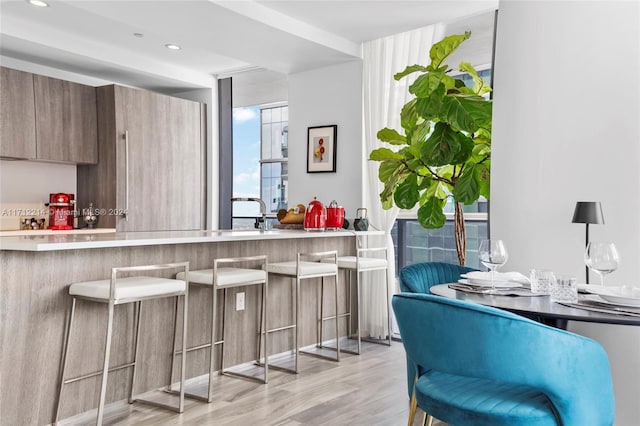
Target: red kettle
315	218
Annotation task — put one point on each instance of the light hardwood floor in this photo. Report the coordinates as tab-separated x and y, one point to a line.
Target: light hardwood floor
369	389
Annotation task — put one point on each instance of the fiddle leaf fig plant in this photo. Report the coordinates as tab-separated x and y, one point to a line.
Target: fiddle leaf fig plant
444	147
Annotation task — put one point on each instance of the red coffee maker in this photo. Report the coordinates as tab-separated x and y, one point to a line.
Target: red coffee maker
61	208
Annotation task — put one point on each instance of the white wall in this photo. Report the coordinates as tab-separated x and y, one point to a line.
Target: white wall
567	128
326	96
25	187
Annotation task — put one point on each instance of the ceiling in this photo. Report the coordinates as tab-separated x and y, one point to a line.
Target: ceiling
218	38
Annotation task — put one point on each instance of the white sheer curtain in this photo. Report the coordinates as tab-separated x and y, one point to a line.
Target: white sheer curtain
383	100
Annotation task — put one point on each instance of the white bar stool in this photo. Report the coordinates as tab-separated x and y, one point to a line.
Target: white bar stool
119	291
359	264
223	278
308	266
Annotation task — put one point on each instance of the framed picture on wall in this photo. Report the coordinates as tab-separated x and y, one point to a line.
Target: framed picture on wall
321	149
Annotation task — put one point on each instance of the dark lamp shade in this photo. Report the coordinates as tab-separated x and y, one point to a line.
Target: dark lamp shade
588	212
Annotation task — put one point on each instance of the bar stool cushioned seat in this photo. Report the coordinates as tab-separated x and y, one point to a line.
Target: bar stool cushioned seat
349	262
127	288
306	268
226	276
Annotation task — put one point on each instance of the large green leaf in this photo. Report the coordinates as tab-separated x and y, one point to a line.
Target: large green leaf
429	108
467	189
392	183
436	189
426	84
430	214
446	172
465	149
441	147
419	133
466	112
484	173
441	50
424	182
406	194
409	116
387	169
409	70
479	86
382	154
480	151
391	136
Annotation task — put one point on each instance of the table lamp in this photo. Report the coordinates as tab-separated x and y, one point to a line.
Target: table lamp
588	212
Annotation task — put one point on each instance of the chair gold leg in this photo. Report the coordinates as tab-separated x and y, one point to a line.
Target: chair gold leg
414	404
427	420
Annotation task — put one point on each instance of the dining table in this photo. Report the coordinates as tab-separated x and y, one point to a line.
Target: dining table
541	308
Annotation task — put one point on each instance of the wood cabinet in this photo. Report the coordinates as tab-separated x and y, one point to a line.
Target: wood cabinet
47	119
150	176
17	114
66	121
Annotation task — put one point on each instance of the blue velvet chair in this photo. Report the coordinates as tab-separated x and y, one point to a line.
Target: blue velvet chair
483	366
419	278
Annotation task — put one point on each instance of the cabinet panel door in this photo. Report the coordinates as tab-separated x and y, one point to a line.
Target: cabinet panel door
17	114
66	121
164	161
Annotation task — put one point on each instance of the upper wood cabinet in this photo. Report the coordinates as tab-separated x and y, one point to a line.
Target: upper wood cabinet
151	172
47	119
17	114
66	121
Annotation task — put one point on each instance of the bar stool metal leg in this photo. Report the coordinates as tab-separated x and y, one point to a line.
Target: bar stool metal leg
137	314
212	359
183	359
64	360
297	334
337	316
320	323
105	368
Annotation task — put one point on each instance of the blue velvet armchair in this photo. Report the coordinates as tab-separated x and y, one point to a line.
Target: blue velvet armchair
479	365
420	277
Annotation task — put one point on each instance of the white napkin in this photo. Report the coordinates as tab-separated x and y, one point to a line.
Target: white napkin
500	276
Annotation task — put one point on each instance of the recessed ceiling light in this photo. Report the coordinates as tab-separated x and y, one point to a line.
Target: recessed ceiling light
39	3
172	46
139	35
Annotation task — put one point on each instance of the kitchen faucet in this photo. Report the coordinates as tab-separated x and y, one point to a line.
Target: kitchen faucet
261	223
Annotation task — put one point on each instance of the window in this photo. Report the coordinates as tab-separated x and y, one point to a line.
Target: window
260	160
274	171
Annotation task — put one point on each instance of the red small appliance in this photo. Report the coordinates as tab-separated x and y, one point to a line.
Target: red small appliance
315	218
335	216
60	211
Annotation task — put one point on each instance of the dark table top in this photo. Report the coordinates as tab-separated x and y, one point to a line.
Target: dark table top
540	306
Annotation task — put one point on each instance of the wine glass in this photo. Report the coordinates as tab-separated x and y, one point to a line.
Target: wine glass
602	258
492	254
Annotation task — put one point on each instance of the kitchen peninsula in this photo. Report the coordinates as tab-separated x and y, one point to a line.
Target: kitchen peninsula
34	307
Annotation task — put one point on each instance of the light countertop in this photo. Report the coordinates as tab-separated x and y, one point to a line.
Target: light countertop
75	241
28	232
